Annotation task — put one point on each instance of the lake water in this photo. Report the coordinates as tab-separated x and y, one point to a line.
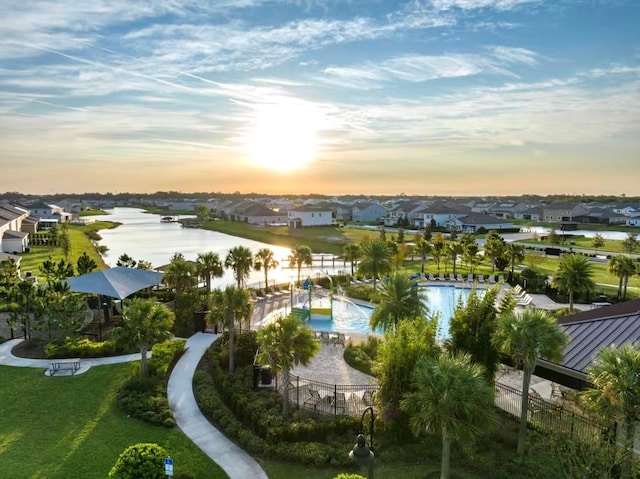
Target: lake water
143	237
610	235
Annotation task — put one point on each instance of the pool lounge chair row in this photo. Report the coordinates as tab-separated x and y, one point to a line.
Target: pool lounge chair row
459	278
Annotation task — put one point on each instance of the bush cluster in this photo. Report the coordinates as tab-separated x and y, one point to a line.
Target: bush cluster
146	399
358	359
361	292
164	356
80	348
140	461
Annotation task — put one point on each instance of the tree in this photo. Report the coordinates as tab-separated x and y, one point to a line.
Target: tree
399	298
265	260
285	343
553	237
423	249
438	248
451	396
127	261
85	264
574	275
351	253
181	276
375	259
144	323
9	276
494	247
62	309
240	260
526	337
383	234
515	254
470	255
623	267
428	232
473	324
400	238
630	243
64	240
202	213
209	266
453	251
598	242
146	265
231	307
140	461
301	255
55	271
616	393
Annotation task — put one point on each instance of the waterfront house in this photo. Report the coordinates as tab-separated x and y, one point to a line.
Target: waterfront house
559	212
304	216
368	212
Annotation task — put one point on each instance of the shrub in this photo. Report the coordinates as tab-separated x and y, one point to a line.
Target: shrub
358	359
349	476
164	356
140	461
246	346
146	399
80	348
361	292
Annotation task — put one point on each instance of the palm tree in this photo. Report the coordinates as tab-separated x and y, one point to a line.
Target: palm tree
240	260
231	306
301	255
526	337
209	266
453	397
515	253
144	322
375	259
399	299
265	260
623	267
574	275
423	248
453	250
285	343
85	264
351	253
616	392
180	275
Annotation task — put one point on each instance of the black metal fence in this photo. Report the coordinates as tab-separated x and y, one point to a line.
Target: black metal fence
548	417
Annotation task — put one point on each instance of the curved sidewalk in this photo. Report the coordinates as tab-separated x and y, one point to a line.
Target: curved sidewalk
233	460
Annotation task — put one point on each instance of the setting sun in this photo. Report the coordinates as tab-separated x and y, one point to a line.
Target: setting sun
283	136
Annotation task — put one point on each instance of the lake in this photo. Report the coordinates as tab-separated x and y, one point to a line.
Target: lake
143	237
610	235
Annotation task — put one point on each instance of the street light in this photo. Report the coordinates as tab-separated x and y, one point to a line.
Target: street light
362	455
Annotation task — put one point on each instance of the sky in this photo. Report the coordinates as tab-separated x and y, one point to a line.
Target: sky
422	97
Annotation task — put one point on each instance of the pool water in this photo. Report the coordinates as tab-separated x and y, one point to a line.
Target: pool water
352	318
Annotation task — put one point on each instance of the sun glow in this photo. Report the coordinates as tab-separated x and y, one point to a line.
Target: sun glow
282	136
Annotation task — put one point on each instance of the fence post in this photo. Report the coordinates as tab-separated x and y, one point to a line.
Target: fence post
298	392
335	397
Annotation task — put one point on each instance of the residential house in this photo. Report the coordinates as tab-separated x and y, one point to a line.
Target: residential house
559	212
605	216
633	220
12	238
257	214
368	212
51	214
476	222
304	216
530	214
402	211
440	214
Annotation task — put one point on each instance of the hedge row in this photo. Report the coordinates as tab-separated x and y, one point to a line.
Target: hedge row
80	348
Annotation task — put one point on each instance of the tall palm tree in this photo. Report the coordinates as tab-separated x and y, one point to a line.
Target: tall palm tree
515	253
399	299
180	275
453	250
144	323
240	260
301	255
265	260
209	266
616	392
231	307
574	275
623	267
375	259
453	397
423	248
285	343
351	253
526	337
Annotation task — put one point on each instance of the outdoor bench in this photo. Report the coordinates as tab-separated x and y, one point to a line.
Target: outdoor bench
64	365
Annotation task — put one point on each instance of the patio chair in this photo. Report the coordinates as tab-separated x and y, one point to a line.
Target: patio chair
492	279
339	339
312	401
265	294
500	278
517	289
324	337
339	402
441	277
275	292
460	278
481	278
470	278
367	397
451	277
431	277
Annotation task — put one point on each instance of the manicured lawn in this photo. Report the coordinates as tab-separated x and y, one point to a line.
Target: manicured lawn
71	427
611	246
92	212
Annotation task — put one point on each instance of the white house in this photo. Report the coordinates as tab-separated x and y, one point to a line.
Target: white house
475	221
12	238
633	220
257	214
309	216
50	212
441	215
368	212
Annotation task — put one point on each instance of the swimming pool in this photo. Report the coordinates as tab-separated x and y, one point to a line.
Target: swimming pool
351	318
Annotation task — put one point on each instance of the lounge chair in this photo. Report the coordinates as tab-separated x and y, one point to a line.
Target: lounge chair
441	277
312	401
460	278
500	278
451	277
517	289
431	277
367	397
255	298
274	291
339	339
339	402
526	301
492	279
481	278
265	294
470	278
355	280
324	337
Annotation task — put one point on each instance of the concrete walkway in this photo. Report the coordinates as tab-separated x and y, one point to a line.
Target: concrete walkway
233	460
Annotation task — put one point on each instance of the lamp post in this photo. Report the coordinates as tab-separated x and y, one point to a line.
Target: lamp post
362	455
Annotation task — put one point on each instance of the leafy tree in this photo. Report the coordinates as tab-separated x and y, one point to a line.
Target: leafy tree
383	234
61	312
64	240
400	238
301	255
616	393
181	276
231	306
85	264
453	233
144	323
453	251
9	277
494	248
209	266
396	360
438	248
351	253
623	267
574	275
526	337
202	212
399	255
553	237
423	249
265	260
598	242
146	265
399	298
55	271
450	396
240	260
140	461
630	243
375	259
285	343
428	232
470	255
515	254
473	325
127	261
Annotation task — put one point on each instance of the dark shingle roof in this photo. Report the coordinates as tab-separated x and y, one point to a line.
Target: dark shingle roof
481	219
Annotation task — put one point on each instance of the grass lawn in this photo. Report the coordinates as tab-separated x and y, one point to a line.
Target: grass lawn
79	244
92	212
71	427
610	246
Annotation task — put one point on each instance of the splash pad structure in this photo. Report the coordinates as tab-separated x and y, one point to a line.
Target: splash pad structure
312	301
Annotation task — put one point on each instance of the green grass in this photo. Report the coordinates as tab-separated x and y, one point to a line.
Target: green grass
71	427
277	470
92	212
610	246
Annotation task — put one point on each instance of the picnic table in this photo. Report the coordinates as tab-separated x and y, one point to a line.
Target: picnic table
58	365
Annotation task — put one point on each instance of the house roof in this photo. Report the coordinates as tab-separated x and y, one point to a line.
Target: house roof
481	219
260	210
562	206
14	234
311	208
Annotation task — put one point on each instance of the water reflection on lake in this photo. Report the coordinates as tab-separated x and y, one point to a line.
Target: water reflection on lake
143	237
610	235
